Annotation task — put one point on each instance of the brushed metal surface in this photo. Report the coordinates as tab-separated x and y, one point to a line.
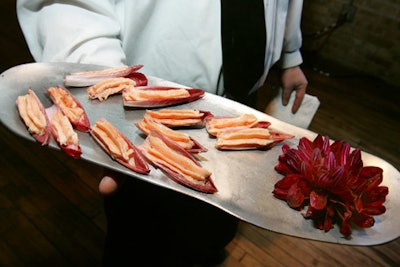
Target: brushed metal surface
245	179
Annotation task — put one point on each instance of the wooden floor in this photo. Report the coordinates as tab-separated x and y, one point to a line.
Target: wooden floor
52	215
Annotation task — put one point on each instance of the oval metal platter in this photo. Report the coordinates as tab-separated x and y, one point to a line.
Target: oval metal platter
245	179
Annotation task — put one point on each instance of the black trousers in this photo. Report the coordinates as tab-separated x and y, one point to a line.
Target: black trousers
150	225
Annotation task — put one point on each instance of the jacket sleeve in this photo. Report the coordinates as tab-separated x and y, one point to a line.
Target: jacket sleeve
291	55
81	31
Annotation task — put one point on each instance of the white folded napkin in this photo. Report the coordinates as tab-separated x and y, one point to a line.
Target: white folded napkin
302	118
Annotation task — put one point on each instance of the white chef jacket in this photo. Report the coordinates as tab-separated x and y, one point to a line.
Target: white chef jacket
177	40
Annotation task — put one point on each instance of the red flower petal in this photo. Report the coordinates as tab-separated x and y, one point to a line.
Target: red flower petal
295	197
287	181
318	201
363	220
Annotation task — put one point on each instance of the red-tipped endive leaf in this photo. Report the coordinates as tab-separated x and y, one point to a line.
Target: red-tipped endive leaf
71	149
258	124
82	124
207	186
233	122
191	145
139	166
278	137
139	78
194	94
173	118
44	137
244	138
88	78
197	148
263	124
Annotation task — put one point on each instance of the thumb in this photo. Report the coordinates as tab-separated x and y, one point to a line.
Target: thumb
110	183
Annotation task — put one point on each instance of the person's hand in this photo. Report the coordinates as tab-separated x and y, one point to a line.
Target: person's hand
293	79
110	182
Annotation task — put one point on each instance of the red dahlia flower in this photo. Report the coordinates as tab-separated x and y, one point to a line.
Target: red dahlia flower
331	181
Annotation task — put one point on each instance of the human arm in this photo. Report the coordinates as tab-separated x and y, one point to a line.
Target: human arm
292	77
74	31
86	31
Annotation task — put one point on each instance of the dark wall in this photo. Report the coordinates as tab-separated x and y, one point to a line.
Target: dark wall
366	39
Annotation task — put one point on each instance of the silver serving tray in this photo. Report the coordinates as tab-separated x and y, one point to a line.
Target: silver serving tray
245	179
